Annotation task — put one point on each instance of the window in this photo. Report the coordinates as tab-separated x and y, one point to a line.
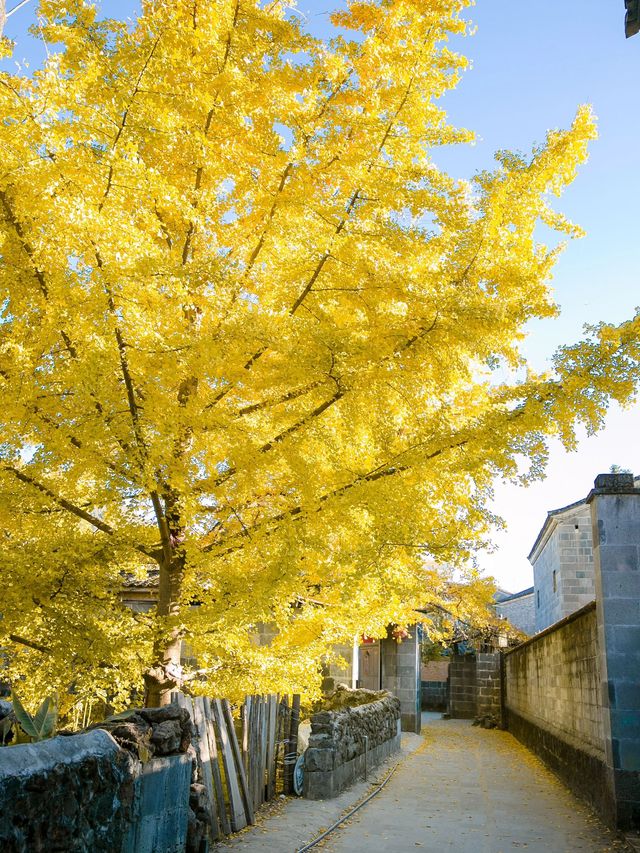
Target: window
538	599
555	583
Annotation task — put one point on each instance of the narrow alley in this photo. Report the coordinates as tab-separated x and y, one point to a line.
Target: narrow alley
464	790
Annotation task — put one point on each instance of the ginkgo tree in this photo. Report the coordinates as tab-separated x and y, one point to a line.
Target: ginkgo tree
255	344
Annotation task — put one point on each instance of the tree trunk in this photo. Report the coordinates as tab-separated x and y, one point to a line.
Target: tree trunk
164	675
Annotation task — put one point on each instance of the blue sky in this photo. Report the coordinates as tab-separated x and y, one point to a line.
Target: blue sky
533	63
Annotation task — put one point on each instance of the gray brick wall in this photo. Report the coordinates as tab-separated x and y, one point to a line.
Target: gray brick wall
475	686
520	612
615	508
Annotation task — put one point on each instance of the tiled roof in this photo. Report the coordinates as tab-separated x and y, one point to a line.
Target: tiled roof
151	580
515	595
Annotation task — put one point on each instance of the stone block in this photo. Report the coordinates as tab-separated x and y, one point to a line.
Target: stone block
320	759
320	740
620	558
627	694
163	807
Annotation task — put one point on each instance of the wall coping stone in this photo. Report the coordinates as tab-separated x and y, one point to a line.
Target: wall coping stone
26	759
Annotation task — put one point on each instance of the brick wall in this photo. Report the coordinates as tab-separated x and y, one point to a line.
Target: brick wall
334	673
554	681
553	702
434	695
435	670
475	686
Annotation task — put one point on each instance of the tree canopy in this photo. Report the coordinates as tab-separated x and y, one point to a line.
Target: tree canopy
255	342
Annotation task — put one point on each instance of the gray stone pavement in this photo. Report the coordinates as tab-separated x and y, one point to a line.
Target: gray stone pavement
463	790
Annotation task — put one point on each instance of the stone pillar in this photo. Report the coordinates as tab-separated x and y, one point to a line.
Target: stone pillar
615	517
401	676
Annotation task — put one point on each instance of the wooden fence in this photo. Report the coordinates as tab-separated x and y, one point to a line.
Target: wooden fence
243	762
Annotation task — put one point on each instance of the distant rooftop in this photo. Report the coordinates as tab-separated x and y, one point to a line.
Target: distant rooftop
512	596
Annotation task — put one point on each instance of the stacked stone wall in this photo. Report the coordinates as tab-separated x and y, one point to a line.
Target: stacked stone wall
69	793
345	744
91	791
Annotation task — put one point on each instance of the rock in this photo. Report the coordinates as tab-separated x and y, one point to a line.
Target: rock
166	737
488	721
199	818
195	834
193	755
198	799
132	734
152	731
167	712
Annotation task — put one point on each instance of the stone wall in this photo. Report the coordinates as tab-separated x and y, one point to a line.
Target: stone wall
68	793
553	702
91	791
345	744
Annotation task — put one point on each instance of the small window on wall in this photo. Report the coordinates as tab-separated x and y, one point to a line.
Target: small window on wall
555	583
538	599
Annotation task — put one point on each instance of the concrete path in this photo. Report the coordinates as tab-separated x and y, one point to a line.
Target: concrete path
469	790
460	789
286	825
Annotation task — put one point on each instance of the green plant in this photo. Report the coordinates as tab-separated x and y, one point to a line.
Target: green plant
41	725
6	729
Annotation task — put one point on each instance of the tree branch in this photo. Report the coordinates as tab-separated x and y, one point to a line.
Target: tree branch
16	638
38	273
125	116
72	508
386	469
